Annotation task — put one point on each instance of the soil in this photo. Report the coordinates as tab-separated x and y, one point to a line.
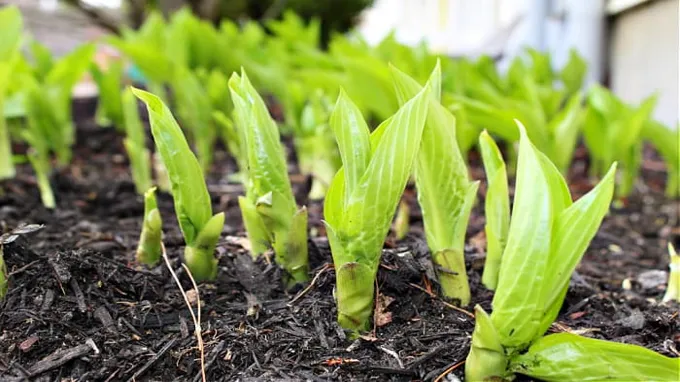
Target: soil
78	308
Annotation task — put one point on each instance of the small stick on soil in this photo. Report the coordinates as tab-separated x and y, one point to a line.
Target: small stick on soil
311	284
448	305
58	358
197	320
448	371
153	360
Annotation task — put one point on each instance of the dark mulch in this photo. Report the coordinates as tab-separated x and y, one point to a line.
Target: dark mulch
78	307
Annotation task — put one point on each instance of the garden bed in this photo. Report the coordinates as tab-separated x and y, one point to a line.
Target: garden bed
78	307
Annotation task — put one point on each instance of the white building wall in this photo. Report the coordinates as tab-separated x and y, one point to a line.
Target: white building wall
644	56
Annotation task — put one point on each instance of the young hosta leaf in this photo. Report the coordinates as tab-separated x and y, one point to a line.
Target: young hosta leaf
109	106
135	143
573	230
6	165
267	169
673	288
565	128
353	137
574	72
201	230
358	214
268	187
11	29
497	209
517	303
667	141
192	200
445	193
149	247
486	359
371	205
195	111
569	357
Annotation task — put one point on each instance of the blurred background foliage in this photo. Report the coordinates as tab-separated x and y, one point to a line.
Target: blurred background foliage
335	15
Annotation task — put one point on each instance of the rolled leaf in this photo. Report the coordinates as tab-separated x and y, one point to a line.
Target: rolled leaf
496	207
149	247
486	360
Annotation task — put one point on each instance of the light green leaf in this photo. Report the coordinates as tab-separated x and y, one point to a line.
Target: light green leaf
569	357
574	228
267	168
11	30
352	135
192	201
371	205
497	209
517	304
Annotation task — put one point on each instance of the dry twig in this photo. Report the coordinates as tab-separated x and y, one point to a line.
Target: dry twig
195	317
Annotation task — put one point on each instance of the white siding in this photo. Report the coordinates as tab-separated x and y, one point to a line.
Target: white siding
644	56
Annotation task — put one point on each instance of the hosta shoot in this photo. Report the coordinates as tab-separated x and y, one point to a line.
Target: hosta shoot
667	142
315	146
612	132
547	237
200	228
445	193
41	135
497	207
195	112
364	195
673	289
269	211
149	247
11	29
110	106
135	143
6	164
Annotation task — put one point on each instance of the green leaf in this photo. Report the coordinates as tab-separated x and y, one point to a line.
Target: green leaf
371	205
11	30
574	72
445	193
565	356
68	70
496	207
517	304
267	168
6	164
352	135
195	111
192	201
574	228
135	143
486	359
109	104
565	128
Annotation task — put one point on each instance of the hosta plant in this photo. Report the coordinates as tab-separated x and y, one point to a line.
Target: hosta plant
445	193
496	207
11	28
666	141
547	237
149	247
363	197
317	153
269	211
109	104
194	109
135	143
201	229
612	132
673	289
